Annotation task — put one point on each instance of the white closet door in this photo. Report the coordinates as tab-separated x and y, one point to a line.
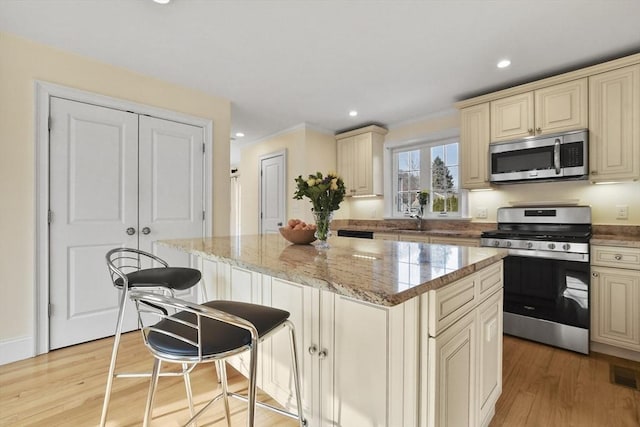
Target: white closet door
171	183
112	170
272	189
93	200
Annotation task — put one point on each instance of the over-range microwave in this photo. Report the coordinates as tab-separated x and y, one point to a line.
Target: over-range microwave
549	157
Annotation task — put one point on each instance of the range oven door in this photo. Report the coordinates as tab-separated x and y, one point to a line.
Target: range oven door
548	289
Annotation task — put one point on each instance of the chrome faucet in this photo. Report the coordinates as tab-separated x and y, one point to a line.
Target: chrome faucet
418	218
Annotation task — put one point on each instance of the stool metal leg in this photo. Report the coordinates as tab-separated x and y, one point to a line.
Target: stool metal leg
253	365
222	376
152	392
296	373
114	356
187	385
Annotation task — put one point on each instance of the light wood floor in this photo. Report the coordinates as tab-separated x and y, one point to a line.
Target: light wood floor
543	386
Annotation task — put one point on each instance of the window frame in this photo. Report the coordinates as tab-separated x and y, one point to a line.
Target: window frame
424	146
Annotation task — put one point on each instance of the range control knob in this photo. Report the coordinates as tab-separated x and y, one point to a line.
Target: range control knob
496	243
551	246
508	244
566	246
529	245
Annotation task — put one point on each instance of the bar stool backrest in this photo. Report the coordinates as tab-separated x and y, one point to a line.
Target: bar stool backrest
122	261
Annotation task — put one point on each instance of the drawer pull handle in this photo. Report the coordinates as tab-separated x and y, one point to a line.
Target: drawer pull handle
618	257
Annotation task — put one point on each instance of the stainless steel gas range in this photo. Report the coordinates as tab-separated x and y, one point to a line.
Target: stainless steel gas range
546	275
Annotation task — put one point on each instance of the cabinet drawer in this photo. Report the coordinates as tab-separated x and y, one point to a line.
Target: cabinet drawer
612	256
489	280
448	304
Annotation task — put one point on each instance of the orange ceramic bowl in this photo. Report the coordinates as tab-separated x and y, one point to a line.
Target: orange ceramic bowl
298	237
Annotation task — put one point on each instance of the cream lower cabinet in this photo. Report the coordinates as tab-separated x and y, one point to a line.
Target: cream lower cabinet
614	125
615	297
463	375
370	365
359	361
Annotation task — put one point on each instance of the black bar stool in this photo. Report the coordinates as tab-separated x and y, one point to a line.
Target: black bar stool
211	332
124	266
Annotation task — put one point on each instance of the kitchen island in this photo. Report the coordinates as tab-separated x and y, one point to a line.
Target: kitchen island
389	333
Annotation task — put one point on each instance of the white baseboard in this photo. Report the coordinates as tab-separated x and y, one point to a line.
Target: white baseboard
15	349
615	351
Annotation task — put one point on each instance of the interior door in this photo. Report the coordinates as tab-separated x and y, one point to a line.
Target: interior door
171	196
93	201
272	189
113	173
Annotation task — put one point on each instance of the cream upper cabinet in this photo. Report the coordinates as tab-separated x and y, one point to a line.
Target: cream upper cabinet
615	296
360	160
474	146
614	117
512	117
558	108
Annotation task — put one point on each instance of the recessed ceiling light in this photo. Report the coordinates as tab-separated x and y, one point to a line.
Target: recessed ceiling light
353	113
239	134
504	63
162	1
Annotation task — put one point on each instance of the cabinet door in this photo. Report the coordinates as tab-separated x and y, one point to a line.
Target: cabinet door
561	107
345	163
615	311
375	364
489	379
302	302
614	124
474	143
362	164
512	117
452	375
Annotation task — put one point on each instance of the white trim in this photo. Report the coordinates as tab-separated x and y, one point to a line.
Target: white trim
283	182
15	349
44	91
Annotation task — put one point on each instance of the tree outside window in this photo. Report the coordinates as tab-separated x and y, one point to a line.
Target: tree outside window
431	167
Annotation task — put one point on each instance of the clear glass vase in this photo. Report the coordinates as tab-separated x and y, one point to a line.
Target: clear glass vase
323	222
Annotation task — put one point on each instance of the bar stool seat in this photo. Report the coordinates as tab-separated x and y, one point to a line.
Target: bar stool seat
176	278
218	337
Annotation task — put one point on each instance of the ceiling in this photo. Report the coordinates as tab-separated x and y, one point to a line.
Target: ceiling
283	63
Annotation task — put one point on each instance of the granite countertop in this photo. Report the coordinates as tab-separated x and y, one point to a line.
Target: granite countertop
380	272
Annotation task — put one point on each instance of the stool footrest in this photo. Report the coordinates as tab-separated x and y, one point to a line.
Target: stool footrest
266	406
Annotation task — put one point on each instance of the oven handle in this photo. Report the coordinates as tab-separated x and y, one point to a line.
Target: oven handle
556	155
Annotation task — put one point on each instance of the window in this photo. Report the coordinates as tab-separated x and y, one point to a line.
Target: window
431	167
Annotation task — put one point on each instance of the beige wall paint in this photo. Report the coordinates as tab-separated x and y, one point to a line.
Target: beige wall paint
21	63
308	151
602	198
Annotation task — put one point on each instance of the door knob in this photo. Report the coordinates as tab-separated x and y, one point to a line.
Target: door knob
131	231
146	230
279	224
313	349
322	354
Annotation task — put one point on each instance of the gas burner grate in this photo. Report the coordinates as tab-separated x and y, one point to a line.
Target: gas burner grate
626	377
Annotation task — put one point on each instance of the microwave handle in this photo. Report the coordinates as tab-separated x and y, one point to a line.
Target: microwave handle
556	155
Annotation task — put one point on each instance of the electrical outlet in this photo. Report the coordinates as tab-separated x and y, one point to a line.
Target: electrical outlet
481	213
622	212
